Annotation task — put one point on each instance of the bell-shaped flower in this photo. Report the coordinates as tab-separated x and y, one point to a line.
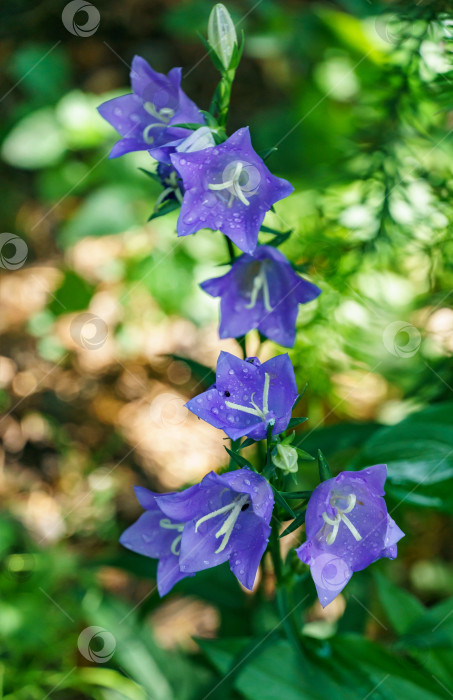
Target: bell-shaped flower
261	291
229	188
157	536
248	396
348	528
226	519
145	117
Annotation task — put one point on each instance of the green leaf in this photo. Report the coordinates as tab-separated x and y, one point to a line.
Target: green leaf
433	629
73	294
297	522
165	208
419	457
247	443
296	494
401	608
324	469
282	502
239	459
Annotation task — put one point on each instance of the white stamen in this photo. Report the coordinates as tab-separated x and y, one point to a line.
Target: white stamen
340	516
256	410
227	528
232	185
164	114
167	524
260	282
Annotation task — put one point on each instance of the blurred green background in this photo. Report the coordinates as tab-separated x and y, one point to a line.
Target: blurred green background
105	334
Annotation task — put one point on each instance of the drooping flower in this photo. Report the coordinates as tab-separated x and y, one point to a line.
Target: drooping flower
261	291
348	528
173	188
247	396
145	117
157	536
226	519
228	188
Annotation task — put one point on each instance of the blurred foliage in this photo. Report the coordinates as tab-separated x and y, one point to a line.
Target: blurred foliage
105	334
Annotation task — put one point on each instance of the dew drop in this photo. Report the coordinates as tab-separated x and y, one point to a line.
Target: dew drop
231	371
215	411
206	562
237	562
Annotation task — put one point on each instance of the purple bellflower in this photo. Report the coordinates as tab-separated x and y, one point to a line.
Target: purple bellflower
144	118
226	519
348	528
248	396
158	536
261	291
228	188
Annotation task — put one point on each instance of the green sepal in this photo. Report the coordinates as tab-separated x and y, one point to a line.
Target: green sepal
305	456
237	53
296	421
153	176
211	53
300	396
324	469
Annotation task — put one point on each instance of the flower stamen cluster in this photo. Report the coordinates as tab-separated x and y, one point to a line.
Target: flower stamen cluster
341	517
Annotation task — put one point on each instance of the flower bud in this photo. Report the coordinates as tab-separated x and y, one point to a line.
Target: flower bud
284	457
222	34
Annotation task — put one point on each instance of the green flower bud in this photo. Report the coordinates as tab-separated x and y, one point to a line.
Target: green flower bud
222	34
284	457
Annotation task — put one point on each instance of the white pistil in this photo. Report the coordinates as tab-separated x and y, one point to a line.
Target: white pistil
227	528
167	524
163	115
255	410
232	185
340	516
260	282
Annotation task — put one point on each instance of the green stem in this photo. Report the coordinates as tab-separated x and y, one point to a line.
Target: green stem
221	100
281	597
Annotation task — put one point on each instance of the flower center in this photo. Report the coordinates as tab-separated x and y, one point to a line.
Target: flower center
234	508
339	517
163	115
236	179
255	410
260	283
167	524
